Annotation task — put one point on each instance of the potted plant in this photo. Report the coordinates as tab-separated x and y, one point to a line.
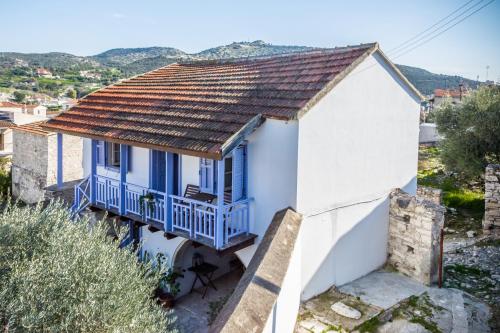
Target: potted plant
147	200
168	287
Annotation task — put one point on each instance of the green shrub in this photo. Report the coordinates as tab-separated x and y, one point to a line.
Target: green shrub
62	276
5	176
462	198
471	132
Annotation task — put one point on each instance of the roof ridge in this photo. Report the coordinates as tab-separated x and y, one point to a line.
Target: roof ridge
313	50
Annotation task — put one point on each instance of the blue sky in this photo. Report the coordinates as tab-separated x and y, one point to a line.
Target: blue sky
89	27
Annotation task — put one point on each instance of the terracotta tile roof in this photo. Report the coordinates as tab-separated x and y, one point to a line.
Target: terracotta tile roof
200	108
449	93
34	128
7	104
6	124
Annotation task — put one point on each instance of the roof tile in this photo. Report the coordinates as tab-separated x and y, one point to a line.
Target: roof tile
196	107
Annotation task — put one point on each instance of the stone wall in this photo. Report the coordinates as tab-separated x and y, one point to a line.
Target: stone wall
429	193
34	163
415	223
29	166
492	197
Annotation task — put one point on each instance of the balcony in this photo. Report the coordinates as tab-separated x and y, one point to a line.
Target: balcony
220	225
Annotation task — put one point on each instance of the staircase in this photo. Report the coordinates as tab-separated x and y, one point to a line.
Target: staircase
82	197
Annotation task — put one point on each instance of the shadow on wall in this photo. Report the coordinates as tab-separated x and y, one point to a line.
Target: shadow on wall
344	244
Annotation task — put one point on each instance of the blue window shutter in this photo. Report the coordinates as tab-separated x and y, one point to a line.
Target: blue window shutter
129	159
206	175
238	173
100	152
158	170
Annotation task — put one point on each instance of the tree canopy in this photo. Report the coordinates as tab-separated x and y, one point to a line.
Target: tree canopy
62	276
471	132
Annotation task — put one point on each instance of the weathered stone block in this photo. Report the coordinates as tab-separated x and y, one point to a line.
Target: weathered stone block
413	250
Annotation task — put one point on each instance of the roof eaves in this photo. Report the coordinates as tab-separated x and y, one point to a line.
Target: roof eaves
208	154
401	75
241	134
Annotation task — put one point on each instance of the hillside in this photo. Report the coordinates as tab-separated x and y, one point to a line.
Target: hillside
123	57
126	62
426	81
248	49
53	60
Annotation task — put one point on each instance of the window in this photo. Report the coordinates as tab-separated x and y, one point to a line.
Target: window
234	175
207	175
100	152
113	155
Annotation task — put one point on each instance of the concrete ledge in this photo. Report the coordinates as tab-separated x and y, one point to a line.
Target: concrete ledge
251	303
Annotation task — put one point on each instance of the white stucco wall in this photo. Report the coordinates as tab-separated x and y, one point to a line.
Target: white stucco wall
355	145
190	171
180	254
342	245
272	171
139	163
86	156
428	133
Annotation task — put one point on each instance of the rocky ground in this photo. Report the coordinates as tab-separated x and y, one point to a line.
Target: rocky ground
473	265
468	301
432	310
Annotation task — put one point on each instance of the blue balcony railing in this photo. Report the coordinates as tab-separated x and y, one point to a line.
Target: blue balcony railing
207	222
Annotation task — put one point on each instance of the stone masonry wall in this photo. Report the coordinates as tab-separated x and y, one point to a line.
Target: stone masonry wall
29	166
492	197
415	223
432	194
34	163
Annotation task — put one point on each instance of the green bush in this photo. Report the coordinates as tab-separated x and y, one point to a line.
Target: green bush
5	176
471	132
62	276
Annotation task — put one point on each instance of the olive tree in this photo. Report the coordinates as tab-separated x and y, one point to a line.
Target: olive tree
471	132
64	276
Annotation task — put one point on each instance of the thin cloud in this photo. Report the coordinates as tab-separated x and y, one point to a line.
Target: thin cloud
118	15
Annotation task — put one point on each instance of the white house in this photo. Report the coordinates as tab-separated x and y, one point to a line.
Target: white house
328	133
13	114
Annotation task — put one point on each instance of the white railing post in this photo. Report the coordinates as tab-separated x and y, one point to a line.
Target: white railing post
191	218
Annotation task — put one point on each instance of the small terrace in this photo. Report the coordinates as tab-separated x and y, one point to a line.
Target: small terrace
215	214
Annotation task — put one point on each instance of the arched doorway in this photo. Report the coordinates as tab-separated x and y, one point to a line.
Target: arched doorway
226	276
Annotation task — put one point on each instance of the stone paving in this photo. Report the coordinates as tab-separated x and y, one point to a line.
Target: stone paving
192	312
390	302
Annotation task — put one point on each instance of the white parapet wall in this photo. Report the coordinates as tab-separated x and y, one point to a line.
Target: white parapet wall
428	134
267	297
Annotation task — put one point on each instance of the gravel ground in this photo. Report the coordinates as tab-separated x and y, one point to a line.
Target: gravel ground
475	268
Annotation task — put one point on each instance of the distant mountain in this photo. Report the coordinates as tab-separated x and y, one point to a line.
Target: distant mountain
426	81
54	60
133	61
147	64
123	57
248	49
